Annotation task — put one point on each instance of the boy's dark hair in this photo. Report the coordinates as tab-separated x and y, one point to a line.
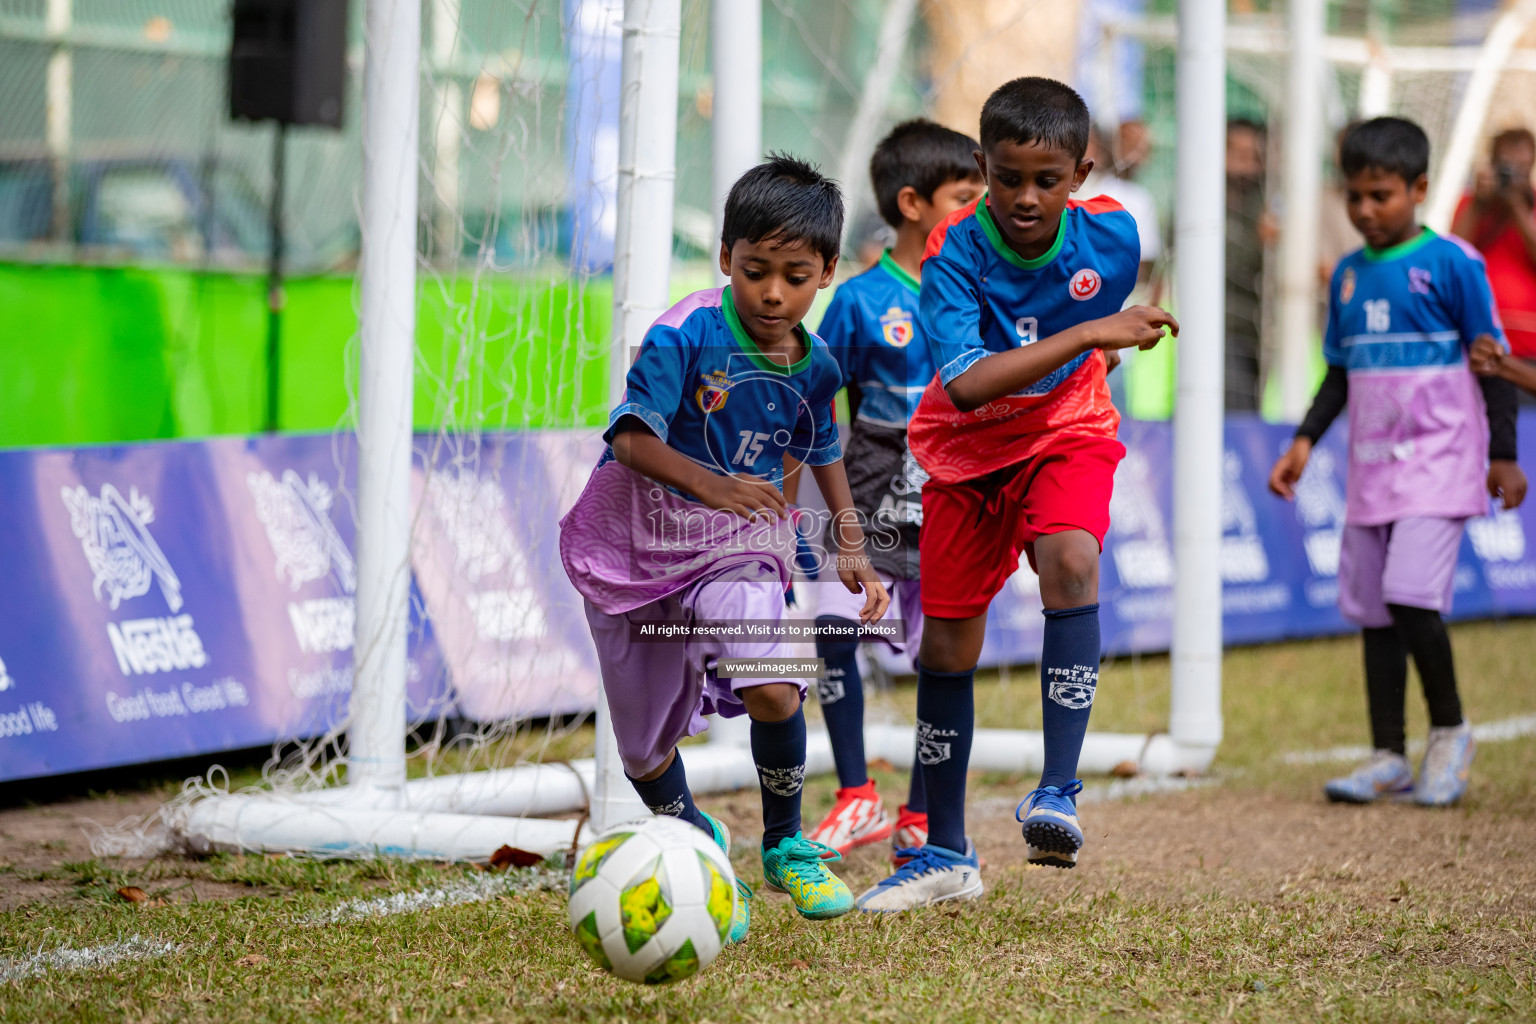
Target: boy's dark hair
1392	144
785	200
922	154
1040	110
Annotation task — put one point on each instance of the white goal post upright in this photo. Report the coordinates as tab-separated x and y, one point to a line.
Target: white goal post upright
1306	73
1200	240
387	350
736	119
641	268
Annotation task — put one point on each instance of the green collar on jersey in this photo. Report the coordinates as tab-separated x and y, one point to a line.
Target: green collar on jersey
898	271
1401	249
747	345
995	236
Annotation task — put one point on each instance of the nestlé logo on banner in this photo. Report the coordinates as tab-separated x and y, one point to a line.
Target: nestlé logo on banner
125	560
296	516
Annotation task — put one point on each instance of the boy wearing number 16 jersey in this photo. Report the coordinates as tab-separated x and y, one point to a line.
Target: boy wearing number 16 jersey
1022	295
1428	444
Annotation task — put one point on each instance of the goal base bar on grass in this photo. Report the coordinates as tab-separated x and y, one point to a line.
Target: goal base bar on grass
467	817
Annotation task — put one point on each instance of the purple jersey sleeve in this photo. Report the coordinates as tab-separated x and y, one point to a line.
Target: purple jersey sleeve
653	388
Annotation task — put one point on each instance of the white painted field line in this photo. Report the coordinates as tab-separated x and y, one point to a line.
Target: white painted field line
1497	731
475	889
134	948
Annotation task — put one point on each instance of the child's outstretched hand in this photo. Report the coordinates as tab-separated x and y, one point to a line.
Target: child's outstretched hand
1486	356
1139	326
1507	480
1288	468
747	496
859	577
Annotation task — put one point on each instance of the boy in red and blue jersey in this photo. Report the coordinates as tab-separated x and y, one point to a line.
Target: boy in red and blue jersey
920	173
1021	299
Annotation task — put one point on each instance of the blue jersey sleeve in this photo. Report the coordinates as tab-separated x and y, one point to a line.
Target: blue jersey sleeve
1469	299
949	310
815	441
840	330
653	388
1333	348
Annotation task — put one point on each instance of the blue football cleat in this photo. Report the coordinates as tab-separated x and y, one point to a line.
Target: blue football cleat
928	875
1051	827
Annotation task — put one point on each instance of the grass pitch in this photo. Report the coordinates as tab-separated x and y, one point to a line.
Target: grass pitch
1250	899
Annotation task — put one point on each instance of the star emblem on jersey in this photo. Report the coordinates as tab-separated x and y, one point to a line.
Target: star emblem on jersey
1347	285
1085	284
896	325
714	390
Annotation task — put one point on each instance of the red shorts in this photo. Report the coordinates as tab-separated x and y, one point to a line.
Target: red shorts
973	531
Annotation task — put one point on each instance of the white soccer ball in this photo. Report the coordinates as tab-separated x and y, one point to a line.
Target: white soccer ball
652	900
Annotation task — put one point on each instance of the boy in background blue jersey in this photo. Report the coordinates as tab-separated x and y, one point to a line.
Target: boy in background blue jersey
683	520
921	173
1022	297
1428	443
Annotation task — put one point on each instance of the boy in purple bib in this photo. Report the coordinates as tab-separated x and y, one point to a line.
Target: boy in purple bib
1428	443
684	522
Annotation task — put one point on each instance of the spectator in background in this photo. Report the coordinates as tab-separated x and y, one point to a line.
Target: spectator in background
1111	177
1105	180
1250	229
1499	219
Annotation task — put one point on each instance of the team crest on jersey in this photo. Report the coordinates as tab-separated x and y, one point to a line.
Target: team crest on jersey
1418	281
896	325
714	390
1347	285
1085	284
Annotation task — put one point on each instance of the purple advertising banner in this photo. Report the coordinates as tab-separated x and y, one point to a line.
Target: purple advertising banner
168	599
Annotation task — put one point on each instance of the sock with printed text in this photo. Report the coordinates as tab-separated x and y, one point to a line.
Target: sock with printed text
841	695
1069	674
668	794
946	723
778	749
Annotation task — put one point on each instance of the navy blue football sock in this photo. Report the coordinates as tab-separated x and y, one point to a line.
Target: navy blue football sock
946	721
917	798
668	794
1069	673
841	695
778	748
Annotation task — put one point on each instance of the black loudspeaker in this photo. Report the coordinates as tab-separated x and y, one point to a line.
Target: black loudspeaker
288	61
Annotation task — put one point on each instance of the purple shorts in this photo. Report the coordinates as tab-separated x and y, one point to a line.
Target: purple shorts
1410	562
659	692
830	597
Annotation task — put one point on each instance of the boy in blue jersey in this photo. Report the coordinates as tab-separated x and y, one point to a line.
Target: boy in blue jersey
1428	443
1022	295
921	173
683	521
